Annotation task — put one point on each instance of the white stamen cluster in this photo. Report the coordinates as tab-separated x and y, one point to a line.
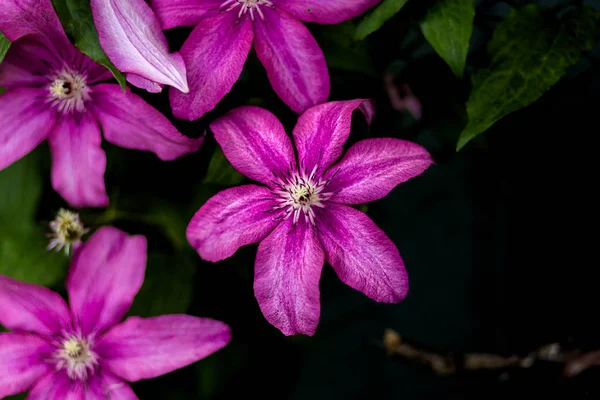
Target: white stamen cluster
68	91
67	229
75	356
247	6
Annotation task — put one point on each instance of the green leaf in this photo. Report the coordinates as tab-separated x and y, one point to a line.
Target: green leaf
376	18
448	26
529	54
21	187
2	90
4	45
221	172
76	18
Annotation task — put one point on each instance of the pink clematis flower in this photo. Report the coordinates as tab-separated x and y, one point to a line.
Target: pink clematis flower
84	352
224	32
56	92
301	215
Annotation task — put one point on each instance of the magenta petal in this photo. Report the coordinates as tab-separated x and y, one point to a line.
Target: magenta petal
24	123
322	130
143	348
57	385
373	167
128	121
32	308
105	276
215	54
78	161
132	37
361	254
174	13
106	386
286	278
255	142
21	363
325	12
294	61
27	63
144	83
231	219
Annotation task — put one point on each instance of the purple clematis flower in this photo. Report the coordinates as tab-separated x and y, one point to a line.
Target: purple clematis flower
83	352
55	92
301	216
224	31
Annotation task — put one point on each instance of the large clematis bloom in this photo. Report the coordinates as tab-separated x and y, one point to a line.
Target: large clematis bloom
301	214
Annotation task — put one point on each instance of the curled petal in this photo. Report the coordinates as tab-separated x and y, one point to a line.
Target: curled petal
21	363
325	12
174	13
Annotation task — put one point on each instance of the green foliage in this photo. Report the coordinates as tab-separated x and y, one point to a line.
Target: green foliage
221	172
76	18
376	18
4	46
530	52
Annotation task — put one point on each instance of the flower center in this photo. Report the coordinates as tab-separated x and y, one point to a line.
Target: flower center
69	91
67	230
75	355
246	6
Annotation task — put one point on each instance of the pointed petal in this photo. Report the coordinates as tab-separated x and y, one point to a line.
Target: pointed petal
31	308
286	278
373	167
174	13
322	130
361	254
24	123
293	59
231	219
78	161
27	63
106	386
215	54
131	35
57	385
143	348
105	276
20	362
128	121
255	143
325	12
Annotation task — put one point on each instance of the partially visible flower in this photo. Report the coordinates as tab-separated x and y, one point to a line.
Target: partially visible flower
224	33
67	231
301	215
402	97
56	92
84	351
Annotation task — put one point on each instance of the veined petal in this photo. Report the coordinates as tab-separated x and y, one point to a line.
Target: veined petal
78	161
373	167
31	308
128	121
106	274
131	35
24	123
174	13
294	61
322	130
27	63
144	83
215	53
143	348
231	219
20	362
57	385
286	278
361	254
255	143
325	12
104	385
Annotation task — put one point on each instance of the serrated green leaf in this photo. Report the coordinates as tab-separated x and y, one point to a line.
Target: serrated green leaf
529	55
448	26
376	18
4	46
20	190
221	172
76	18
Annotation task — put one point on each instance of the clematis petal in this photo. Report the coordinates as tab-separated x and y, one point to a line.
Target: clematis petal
78	161
286	278
27	63
174	13
104	385
231	219
106	274
57	385
325	12
143	348
255	143
361	254
294	61
215	53
131	35
322	130
373	167
128	121
144	83
24	123
31	308
21	363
